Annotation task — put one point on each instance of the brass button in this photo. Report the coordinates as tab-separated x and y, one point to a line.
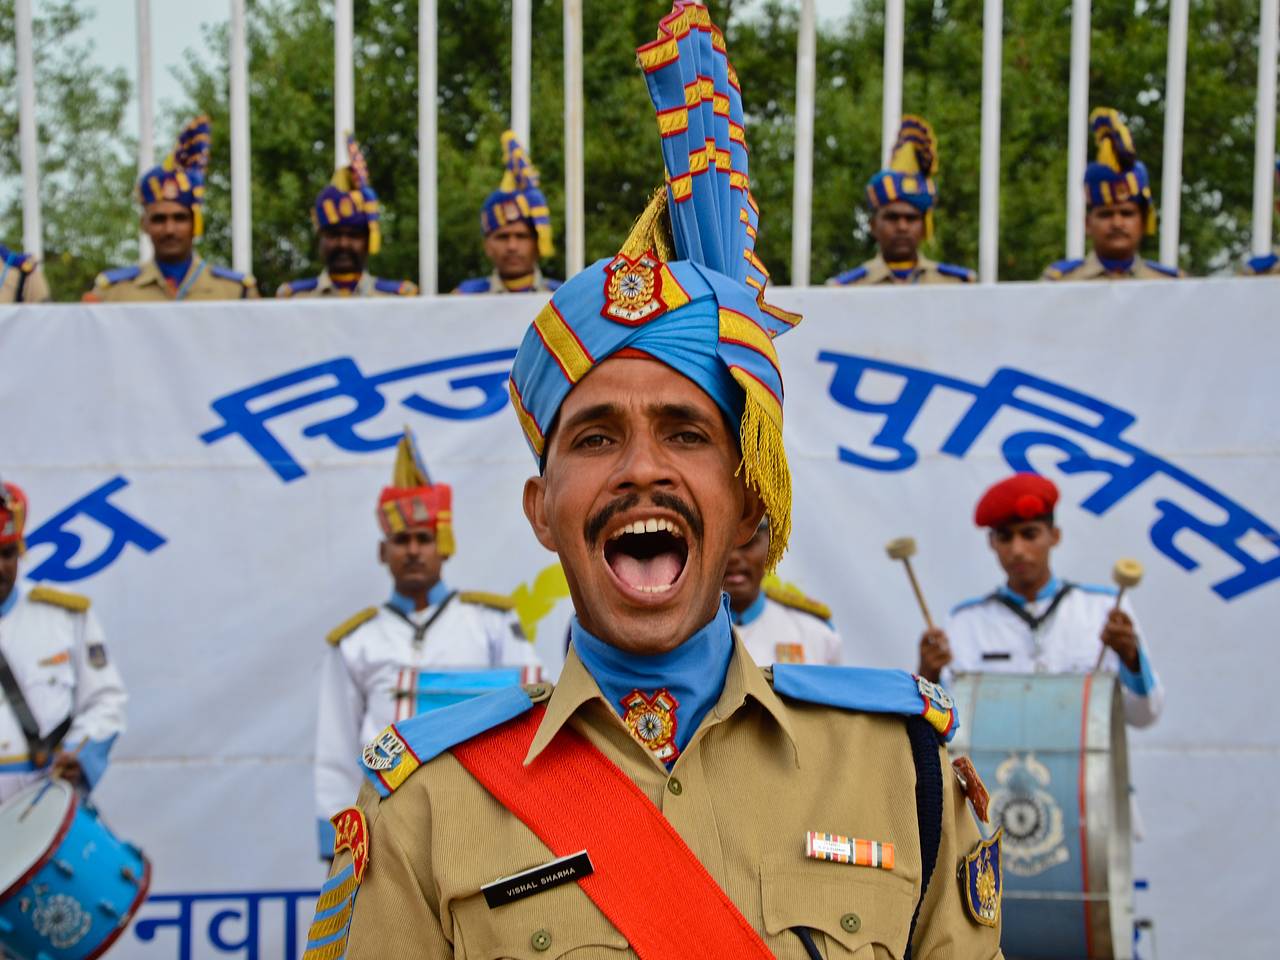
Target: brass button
851	923
538	692
540	941
675	786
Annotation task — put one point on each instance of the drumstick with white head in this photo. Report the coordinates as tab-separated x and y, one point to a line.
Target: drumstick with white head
1126	574
904	548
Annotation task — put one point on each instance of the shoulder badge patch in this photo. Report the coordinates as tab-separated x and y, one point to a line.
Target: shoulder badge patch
793	598
848	277
983	882
97	656
351	832
389	759
75	602
350	625
494	601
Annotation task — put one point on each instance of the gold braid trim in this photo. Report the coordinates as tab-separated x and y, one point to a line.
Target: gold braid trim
764	461
652	231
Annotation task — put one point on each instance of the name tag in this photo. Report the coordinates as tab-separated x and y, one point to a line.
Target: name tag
526	884
997	656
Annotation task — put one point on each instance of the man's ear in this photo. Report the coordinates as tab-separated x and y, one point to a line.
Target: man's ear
749	520
1055	536
991	538
535	510
382	552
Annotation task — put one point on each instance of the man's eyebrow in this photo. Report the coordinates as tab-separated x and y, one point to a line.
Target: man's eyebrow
600	411
678	411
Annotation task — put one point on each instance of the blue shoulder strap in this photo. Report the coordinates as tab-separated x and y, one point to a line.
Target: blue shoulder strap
552	284
869	691
226	273
405	746
121	274
849	276
1161	268
1063	267
960	273
1261	264
302	285
474	285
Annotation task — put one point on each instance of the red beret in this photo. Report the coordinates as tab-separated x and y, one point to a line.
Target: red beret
1024	496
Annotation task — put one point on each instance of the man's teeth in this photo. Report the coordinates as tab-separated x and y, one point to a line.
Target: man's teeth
659	589
652	525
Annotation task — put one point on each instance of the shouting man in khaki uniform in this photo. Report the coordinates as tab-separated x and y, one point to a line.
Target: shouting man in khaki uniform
172	198
668	799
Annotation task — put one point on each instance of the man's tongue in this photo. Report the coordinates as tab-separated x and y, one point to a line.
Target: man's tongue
657	571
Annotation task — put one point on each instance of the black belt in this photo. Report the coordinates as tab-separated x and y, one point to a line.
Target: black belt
40	748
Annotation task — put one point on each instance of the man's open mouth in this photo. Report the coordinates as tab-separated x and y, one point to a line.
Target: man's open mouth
647	555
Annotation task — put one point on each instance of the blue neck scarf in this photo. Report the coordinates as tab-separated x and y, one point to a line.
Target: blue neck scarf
174	272
406	605
749	615
692	674
1117	266
1048	591
9	601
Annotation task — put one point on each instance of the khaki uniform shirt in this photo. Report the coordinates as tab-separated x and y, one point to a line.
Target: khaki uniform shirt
1266	265
926	271
21	279
1091	268
757	774
367	286
145	283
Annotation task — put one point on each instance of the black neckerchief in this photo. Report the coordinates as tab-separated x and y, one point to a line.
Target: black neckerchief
39	748
1033	623
420	631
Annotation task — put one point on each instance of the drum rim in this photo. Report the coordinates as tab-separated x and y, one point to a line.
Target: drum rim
143	889
44	858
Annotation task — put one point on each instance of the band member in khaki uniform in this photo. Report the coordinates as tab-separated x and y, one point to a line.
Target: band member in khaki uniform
172	198
347	220
21	279
901	198
516	224
668	799
1119	208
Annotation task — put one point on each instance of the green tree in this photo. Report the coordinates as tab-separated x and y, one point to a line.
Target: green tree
86	165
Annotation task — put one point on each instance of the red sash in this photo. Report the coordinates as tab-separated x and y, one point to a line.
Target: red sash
573	798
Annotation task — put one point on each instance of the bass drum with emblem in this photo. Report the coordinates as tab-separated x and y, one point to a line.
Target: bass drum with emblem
68	887
1053	754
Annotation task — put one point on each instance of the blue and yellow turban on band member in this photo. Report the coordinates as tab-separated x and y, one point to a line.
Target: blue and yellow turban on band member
1117	176
909	176
687	288
519	198
348	200
180	177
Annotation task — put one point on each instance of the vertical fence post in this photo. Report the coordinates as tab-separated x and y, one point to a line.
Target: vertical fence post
802	173
574	178
1078	126
1264	147
428	187
989	190
521	69
146	108
344	97
28	130
241	198
1175	103
891	108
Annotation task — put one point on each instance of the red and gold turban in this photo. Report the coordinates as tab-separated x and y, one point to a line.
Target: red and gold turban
413	501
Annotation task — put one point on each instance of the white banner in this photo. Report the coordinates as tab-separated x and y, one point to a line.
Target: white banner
208	473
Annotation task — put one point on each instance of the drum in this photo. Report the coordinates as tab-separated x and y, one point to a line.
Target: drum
68	887
1053	754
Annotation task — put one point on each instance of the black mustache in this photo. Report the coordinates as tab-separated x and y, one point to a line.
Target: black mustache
594	527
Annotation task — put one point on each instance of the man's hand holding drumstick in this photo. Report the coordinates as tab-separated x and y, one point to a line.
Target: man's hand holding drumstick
935	651
1118	633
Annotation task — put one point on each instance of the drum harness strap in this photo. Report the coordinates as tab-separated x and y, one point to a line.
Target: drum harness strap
40	748
1020	611
420	630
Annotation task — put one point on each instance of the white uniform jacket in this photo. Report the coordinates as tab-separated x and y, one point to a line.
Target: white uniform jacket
58	655
786	627
392	662
987	636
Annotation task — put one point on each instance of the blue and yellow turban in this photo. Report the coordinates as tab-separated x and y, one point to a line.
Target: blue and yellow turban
1117	176
909	176
687	287
180	177
518	198
348	200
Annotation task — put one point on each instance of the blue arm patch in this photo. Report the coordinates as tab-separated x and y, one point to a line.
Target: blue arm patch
225	273
402	288
869	691
1161	268
1261	264
93	759
849	276
303	285
473	285
962	273
1061	268
326	835
424	737
120	274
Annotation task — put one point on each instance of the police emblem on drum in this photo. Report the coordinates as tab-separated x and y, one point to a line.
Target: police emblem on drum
385	752
1029	815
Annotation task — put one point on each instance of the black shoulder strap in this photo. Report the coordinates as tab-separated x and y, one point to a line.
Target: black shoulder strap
420	630
924	752
40	748
1021	611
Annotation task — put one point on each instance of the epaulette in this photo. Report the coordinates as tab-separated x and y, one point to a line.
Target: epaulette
75	602
848	277
1262	264
109	278
1105	589
401	288
350	625
495	601
553	284
1058	270
971	602
1161	268
868	691
473	285
25	262
793	598
290	287
405	746
226	273
960	273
